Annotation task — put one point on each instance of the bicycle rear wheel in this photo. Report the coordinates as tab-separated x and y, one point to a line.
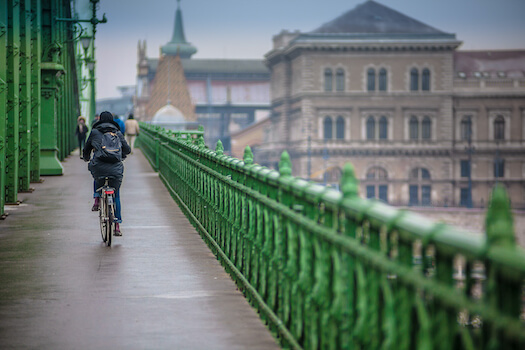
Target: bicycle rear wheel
111	221
102	212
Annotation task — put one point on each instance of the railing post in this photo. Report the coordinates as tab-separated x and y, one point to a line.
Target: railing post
157	151
503	289
3	108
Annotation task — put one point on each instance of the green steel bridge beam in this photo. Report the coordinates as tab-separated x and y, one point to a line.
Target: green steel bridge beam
13	107
36	85
25	97
3	103
52	79
39	95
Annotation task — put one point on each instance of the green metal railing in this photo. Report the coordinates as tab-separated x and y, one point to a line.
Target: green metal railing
330	270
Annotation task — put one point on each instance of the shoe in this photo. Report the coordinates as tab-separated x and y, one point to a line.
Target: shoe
96	205
117	230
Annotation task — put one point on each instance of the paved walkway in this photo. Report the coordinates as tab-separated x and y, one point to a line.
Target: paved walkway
157	287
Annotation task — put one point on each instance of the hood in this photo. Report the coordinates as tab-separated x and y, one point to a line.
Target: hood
106	126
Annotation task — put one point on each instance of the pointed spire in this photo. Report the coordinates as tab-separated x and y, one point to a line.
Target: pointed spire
178	44
178	30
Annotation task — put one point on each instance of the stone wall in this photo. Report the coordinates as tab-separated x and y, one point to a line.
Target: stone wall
471	219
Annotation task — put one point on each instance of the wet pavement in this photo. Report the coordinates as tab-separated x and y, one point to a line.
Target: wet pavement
157	287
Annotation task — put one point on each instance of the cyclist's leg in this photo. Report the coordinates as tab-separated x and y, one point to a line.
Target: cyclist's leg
96	185
118	213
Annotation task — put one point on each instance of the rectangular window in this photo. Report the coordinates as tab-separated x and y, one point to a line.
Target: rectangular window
465	168
383	193
464	197
413	193
426	195
499	167
370	192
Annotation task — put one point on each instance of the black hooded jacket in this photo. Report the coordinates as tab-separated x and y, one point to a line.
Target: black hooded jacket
98	168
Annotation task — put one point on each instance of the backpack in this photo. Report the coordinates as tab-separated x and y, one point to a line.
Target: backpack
110	148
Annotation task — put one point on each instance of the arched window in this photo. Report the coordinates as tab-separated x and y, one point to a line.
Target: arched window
327	124
425	174
382	79
333	175
383	128
420	188
376	185
371	79
370	128
425	80
328	79
376	173
340	128
340	80
414	79
426	128
499	128
414	128
466	128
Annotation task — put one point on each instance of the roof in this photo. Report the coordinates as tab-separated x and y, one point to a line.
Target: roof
231	66
178	44
373	17
511	62
218	66
168	114
251	127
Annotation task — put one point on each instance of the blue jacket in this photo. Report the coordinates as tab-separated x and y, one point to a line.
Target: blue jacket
121	125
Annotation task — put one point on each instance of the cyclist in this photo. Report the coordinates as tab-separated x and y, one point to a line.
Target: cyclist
100	168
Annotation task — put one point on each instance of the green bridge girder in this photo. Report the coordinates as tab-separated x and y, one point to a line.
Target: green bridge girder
41	78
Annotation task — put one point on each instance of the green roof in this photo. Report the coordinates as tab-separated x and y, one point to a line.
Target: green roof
225	66
178	44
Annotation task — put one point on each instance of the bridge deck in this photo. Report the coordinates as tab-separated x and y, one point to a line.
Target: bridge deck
158	287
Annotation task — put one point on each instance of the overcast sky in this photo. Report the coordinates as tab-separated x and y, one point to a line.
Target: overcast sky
244	28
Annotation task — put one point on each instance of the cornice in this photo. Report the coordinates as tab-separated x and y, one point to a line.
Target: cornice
362	45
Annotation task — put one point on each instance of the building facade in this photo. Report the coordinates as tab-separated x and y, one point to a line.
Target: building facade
422	122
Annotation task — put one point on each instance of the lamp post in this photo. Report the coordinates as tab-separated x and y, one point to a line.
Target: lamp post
497	163
88	42
89	61
325	158
469	150
90	64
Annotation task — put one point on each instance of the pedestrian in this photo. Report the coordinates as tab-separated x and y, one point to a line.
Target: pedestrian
97	118
132	130
120	123
81	132
101	167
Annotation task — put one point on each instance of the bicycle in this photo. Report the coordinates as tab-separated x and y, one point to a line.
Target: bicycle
106	212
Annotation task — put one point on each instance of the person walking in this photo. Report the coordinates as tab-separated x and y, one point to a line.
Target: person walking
81	131
101	166
96	119
132	130
120	123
